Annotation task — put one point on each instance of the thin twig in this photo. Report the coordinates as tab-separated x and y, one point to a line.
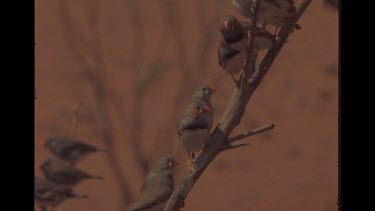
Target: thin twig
75	118
233	146
250	133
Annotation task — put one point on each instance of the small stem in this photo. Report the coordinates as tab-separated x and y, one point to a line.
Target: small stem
75	119
251	132
233	146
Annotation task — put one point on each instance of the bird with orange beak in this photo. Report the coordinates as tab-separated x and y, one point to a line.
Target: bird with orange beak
204	93
157	188
194	126
232	50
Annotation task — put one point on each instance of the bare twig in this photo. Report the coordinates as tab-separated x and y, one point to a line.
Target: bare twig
233	146
250	133
75	118
230	119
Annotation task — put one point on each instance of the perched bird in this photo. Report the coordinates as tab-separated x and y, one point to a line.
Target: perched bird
204	93
157	188
60	173
274	12
230	59
236	34
49	194
193	127
232	49
69	149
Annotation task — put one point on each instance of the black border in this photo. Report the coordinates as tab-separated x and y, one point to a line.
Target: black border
21	102
18	74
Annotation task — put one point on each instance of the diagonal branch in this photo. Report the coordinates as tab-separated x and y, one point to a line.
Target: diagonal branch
251	132
233	146
230	119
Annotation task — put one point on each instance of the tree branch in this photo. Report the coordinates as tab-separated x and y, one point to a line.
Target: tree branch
233	146
250	133
232	115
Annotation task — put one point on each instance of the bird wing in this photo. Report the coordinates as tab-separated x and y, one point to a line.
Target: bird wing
273	2
150	198
71	174
73	150
77	145
48	192
226	52
148	178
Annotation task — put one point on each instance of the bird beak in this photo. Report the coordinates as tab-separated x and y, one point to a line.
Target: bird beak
226	24
213	88
175	162
206	108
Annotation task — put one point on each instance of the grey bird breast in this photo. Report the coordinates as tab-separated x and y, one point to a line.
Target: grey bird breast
194	139
235	63
193	132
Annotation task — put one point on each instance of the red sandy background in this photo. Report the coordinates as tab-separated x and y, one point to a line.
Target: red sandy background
293	167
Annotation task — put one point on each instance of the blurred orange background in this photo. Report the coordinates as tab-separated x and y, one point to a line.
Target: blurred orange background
147	58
